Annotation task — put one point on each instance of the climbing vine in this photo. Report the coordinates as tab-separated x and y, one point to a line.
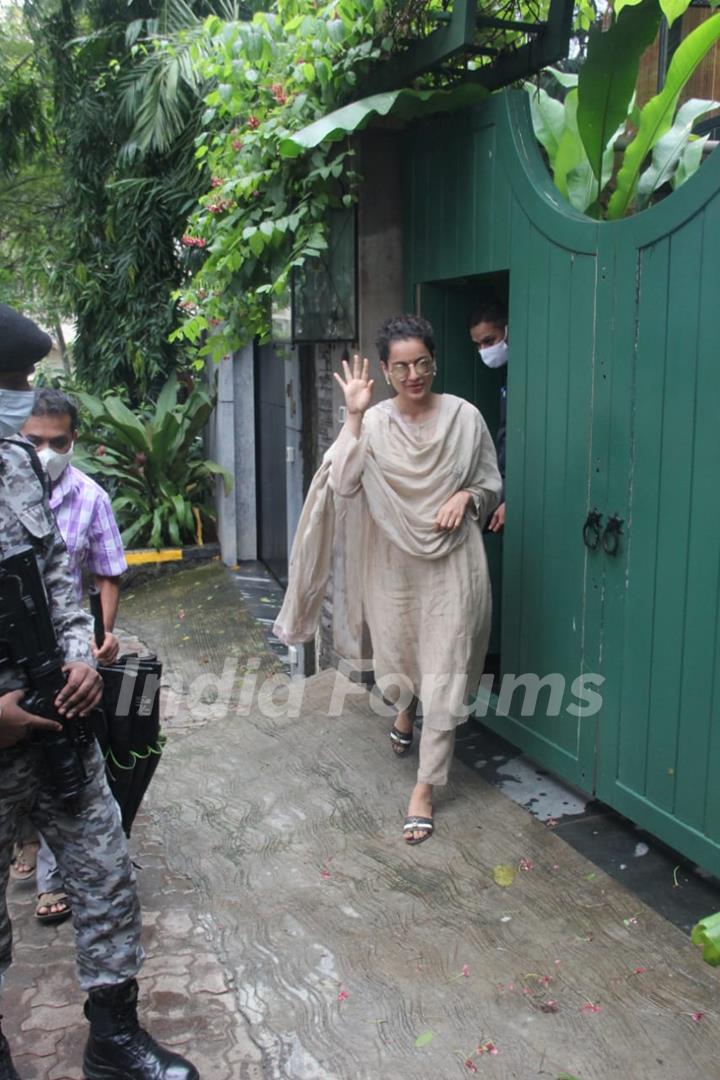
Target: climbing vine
265	214
267	210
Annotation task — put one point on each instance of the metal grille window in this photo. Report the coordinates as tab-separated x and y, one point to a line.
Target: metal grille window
324	306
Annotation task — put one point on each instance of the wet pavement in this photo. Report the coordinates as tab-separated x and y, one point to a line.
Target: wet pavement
292	934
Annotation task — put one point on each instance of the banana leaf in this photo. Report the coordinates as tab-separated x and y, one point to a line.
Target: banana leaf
668	150
402	104
690	161
656	117
548	120
608	76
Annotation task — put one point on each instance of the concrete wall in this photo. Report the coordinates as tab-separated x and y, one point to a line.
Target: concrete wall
232	444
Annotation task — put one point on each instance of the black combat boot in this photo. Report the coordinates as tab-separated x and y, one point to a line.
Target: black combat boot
119	1049
7	1069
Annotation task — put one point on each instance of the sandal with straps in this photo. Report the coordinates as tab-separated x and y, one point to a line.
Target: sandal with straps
401	741
50	900
416	824
24	859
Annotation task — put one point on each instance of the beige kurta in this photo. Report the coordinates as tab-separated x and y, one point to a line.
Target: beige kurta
425	594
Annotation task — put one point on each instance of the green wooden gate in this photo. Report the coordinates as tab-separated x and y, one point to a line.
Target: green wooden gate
613	406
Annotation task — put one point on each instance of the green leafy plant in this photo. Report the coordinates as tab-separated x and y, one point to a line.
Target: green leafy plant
583	133
707	934
656	117
556	128
283	100
153	465
266	212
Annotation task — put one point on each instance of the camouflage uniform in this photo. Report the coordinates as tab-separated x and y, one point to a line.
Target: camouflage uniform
90	846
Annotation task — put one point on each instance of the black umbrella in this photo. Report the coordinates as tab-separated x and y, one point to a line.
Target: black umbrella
132	742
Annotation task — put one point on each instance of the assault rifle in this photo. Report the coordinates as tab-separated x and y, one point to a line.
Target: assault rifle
28	641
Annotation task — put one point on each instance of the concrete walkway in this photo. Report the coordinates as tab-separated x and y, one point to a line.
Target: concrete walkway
293	935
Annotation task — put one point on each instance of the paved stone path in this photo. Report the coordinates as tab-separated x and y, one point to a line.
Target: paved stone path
293	936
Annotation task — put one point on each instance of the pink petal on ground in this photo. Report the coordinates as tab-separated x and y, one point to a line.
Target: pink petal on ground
588	1007
491	1048
526	864
549	1006
697	1017
466	970
343	995
639	971
470	1064
325	874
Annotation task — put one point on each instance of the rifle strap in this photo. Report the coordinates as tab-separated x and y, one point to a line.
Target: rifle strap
34	460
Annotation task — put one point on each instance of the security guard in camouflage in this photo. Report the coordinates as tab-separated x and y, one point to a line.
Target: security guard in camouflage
89	845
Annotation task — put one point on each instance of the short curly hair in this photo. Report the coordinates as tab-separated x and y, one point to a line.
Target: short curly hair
404	328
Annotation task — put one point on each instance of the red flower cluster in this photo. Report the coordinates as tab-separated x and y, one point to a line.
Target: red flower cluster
216	181
253	123
278	93
194	241
237	145
220	206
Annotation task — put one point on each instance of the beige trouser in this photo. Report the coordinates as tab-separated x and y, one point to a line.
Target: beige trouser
436	752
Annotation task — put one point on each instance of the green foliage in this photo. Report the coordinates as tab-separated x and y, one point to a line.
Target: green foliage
672	148
401	104
556	128
265	213
110	217
283	81
707	934
656	117
581	131
608	77
31	205
153	464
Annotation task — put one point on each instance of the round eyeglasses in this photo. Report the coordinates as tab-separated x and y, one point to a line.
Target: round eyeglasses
423	367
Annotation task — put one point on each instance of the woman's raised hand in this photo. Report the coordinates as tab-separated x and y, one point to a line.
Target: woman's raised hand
356	386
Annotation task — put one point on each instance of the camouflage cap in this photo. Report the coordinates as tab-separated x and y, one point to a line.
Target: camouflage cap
22	342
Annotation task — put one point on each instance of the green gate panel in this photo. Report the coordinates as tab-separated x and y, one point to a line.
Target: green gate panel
660	723
614	404
453	174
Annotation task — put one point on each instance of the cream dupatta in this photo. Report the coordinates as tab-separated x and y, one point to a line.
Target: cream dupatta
400	481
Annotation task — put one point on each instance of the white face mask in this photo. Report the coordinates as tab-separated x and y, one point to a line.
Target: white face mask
53	463
15	407
495	356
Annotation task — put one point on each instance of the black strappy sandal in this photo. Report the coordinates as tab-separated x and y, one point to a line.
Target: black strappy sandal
401	741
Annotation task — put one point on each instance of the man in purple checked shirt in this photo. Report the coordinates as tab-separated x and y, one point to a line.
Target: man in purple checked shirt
87	524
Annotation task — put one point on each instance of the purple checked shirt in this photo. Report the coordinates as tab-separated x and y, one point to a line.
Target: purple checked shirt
87	524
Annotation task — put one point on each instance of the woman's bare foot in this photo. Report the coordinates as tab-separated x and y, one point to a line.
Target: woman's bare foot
420	806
